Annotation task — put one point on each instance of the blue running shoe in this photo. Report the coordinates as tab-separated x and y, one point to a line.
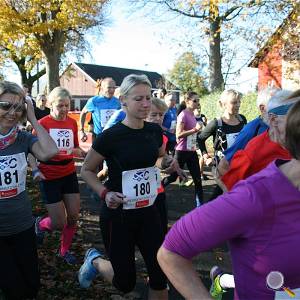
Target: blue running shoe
88	272
69	258
38	232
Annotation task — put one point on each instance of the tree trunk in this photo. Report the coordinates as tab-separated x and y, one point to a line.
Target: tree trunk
216	81
52	69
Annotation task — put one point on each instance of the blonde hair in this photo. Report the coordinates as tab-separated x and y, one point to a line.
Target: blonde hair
159	104
228	95
57	94
8	87
131	81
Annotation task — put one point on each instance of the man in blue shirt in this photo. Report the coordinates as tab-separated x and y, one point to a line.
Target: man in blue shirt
102	107
169	122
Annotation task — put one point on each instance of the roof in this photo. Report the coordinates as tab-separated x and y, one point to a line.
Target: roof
275	37
118	74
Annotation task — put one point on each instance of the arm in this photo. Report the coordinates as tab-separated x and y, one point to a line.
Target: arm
82	118
209	130
180	132
36	173
182	274
89	175
45	147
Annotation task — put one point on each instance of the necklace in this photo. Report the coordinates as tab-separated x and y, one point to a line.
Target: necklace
9	138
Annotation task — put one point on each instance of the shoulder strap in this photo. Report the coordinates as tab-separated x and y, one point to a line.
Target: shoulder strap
219	122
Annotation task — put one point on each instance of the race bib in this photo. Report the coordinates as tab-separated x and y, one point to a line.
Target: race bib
105	115
282	295
140	187
191	142
173	125
231	137
64	140
158	177
13	169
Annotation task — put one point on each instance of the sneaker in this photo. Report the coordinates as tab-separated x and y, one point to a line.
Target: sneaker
88	272
216	290
38	232
69	258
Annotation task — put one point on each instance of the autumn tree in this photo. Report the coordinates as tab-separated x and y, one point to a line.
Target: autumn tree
211	19
25	54
186	74
55	26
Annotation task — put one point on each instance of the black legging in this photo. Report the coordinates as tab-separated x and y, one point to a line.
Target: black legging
190	158
19	273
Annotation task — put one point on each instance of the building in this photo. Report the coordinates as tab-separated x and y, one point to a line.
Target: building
278	61
81	80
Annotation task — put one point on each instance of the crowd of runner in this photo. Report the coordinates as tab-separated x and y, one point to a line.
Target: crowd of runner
137	135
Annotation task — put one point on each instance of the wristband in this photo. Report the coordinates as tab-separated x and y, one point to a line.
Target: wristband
103	194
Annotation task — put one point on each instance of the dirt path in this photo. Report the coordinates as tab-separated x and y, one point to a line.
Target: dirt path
58	280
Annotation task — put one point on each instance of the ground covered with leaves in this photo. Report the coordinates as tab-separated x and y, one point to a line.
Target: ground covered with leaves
59	280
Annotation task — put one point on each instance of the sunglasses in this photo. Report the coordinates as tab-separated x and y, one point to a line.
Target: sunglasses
6	106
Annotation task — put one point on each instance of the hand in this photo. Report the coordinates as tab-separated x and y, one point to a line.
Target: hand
30	111
198	126
114	199
83	136
38	175
78	152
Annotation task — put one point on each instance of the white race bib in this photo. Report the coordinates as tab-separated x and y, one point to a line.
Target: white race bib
173	125
105	115
231	137
140	187
64	140
191	142
13	169
158	177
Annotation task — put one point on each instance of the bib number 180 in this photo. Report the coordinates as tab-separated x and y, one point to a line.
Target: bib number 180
142	189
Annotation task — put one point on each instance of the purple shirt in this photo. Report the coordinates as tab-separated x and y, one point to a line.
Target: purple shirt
190	122
261	219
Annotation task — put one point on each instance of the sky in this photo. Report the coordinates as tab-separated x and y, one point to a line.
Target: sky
133	41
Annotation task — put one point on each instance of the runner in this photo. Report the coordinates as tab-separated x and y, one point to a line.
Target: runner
19	275
259	218
224	130
169	122
60	191
128	217
185	150
249	131
263	149
101	107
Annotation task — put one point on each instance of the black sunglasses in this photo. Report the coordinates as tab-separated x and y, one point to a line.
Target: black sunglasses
5	105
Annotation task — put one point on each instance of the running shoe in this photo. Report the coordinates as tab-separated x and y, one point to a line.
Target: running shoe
88	272
216	290
69	258
38	232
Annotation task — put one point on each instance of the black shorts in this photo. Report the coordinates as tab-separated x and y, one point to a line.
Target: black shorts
53	190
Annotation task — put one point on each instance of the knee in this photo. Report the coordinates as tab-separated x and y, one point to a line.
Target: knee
58	224
125	285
